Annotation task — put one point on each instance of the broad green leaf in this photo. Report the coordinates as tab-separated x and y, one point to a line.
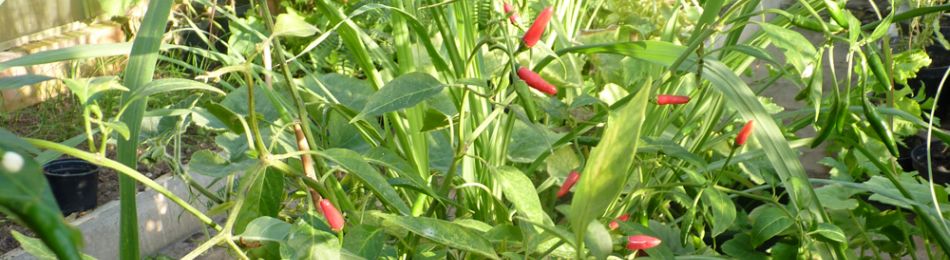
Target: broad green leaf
36	248
400	93
170	85
562	162
907	63
362	170
9	140
767	222
598	240
528	141
15	82
521	192
444	232
389	159
609	163
798	50
89	89
27	198
723	211
477	226
211	164
504	233
837	197
740	247
340	89
236	101
306	242
782	250
231	120
292	24
562	233
365	241
263	196
830	232
119	127
266	229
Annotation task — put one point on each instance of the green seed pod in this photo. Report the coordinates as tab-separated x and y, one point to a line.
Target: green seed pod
879	126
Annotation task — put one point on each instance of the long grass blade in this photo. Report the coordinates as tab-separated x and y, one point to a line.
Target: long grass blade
139	72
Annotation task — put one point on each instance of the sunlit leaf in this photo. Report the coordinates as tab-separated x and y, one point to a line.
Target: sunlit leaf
400	93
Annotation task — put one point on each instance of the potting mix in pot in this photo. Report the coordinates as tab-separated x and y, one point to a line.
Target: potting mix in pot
479	129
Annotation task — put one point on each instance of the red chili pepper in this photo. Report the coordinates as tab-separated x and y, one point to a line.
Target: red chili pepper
535	81
334	218
533	34
744	133
641	242
671	100
615	223
513	15
568	183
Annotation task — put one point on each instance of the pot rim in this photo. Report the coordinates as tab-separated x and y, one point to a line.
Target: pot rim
91	171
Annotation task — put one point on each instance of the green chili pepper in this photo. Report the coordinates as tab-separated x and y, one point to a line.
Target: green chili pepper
830	123
877	67
879	126
835	11
812	24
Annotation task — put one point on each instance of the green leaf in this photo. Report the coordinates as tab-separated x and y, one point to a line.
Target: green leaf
830	232
598	240
798	50
837	197
443	232
89	89
908	63
36	248
340	89
50	155
880	30
782	250
69	53
306	242
27	198
266	229
741	247
292	24
521	192
609	163
263	197
208	163
119	127
529	140
227	117
400	93
170	85
767	222
358	166
365	241
15	82
723	211
139	70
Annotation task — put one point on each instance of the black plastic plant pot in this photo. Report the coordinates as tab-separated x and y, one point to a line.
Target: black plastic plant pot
75	184
940	158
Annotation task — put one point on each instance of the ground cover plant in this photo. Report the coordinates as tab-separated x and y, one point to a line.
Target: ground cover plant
518	130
